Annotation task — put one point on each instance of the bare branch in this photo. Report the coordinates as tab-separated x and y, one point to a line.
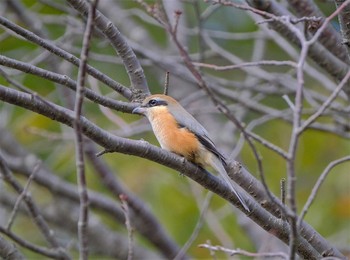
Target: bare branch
325	105
65	55
32	208
344	21
79	150
21	196
129	227
133	66
233	252
247	64
145	222
318	184
65	81
8	251
53	253
197	228
166	83
329	37
145	150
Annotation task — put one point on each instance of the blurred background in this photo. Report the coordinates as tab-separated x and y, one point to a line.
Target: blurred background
215	36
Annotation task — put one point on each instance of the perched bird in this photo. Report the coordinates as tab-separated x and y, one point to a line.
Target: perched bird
178	131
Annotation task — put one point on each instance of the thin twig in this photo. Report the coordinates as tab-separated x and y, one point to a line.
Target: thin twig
80	164
65	81
197	228
267	144
318	184
129	227
325	104
233	252
327	21
283	190
55	253
289	102
247	64
13	82
32	208
166	83
177	15
28	35
21	196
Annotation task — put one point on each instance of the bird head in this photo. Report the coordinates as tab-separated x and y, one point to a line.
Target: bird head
154	103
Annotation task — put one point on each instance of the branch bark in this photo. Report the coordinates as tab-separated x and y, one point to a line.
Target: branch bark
20	161
28	35
325	59
131	63
140	148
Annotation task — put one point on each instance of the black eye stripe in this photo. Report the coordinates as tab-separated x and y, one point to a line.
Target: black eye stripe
156	102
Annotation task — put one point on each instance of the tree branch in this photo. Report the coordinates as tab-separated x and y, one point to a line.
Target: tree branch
66	56
80	161
68	82
134	69
9	251
33	210
143	149
344	21
145	222
329	38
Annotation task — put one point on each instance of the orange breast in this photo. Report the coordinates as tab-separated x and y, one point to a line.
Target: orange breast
171	137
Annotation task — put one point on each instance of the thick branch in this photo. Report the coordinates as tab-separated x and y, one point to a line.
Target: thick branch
329	38
63	216
144	221
9	251
65	55
326	60
66	81
131	63
140	148
344	21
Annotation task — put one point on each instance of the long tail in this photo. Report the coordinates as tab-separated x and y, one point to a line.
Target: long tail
217	165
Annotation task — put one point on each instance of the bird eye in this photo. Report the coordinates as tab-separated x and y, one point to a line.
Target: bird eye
152	102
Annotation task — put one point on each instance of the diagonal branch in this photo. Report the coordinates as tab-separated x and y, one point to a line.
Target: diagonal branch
324	58
65	81
344	21
47	45
140	148
134	69
9	251
329	38
32	208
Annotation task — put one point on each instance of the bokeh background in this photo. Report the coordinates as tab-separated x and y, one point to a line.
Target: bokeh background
212	34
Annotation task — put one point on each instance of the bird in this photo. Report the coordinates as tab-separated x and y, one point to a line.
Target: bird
179	132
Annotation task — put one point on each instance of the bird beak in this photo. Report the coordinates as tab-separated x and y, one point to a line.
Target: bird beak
139	110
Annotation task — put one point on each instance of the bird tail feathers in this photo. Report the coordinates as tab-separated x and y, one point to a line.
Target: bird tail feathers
217	165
